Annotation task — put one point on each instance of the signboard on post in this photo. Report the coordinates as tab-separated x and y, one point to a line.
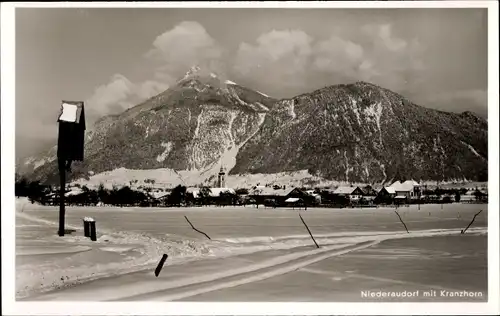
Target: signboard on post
70	143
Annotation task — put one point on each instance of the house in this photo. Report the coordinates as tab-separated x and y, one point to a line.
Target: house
409	189
73	192
307	198
317	196
294	202
352	193
261	194
280	196
481	195
386	195
387	191
212	193
158	195
369	191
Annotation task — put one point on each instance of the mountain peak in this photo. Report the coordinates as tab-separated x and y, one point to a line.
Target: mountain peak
204	76
192	72
365	84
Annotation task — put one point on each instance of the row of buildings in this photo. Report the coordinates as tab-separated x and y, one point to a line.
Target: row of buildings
398	192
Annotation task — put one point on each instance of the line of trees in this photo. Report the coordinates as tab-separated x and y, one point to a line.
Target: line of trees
124	196
179	196
33	190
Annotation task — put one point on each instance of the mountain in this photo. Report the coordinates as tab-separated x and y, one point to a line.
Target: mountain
197	125
353	132
363	133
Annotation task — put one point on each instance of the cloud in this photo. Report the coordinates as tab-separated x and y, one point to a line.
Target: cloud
185	45
475	100
112	97
474	95
171	54
150	88
377	56
120	94
339	56
279	62
278	57
293	58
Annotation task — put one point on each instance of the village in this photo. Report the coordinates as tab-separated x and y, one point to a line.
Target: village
399	193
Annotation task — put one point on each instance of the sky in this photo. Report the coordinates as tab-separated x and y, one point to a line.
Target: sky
114	58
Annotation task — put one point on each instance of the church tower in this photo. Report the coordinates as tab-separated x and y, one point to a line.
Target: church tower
222	178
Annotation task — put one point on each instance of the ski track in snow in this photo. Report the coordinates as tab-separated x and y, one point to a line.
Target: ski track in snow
184	287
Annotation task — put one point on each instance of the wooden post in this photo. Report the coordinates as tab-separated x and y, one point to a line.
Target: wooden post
309	231
93	230
70	145
160	265
464	230
62	189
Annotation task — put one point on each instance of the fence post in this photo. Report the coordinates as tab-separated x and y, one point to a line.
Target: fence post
93	233
86	227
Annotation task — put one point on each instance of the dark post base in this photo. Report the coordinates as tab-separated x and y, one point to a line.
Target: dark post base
62	184
93	234
86	228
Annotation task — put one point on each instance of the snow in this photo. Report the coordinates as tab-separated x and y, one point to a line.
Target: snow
289	104
29	160
198	123
237	97
344	190
193	70
262	106
168	178
355	109
405	186
472	149
390	190
382	167
73	192
122	176
39	163
269	242
375	110
347	168
69	112
230	82
228	158
168	147
263	94
214	192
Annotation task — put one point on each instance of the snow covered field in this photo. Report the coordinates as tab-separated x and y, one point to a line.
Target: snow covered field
253	254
